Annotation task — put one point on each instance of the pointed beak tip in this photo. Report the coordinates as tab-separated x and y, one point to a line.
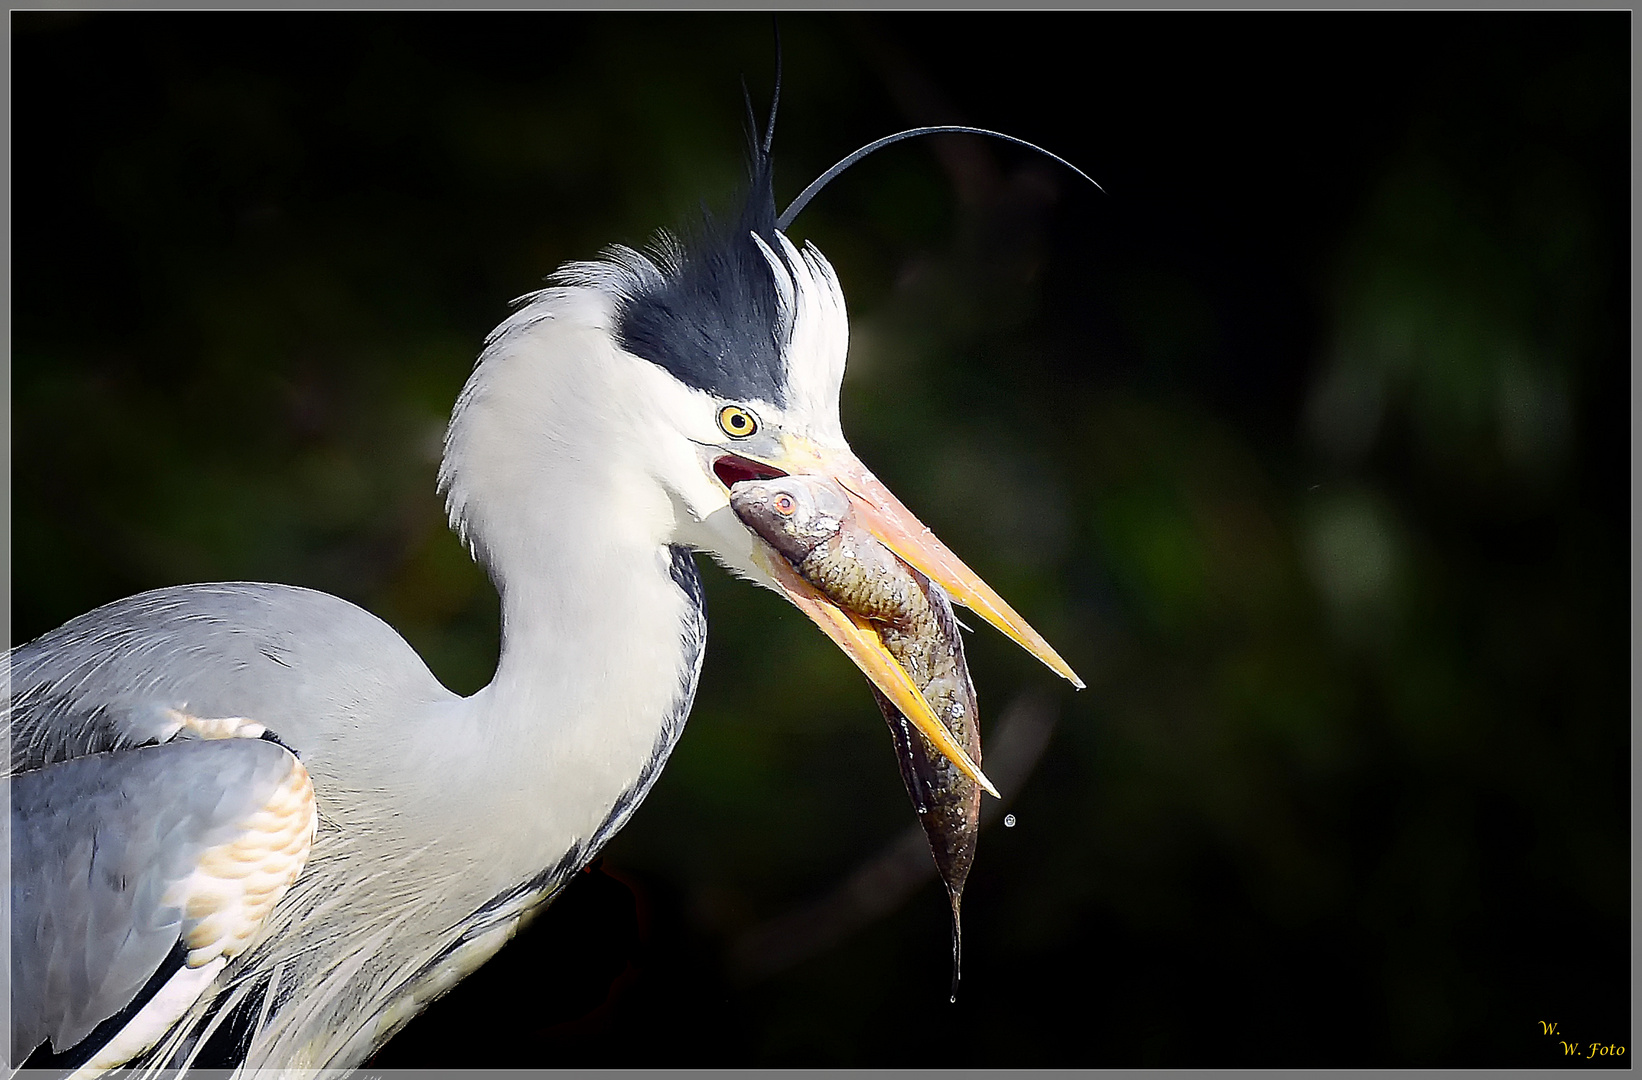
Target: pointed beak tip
913	541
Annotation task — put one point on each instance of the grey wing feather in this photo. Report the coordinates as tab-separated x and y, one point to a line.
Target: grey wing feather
286	657
96	842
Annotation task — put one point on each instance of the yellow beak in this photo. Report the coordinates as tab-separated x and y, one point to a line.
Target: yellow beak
893	524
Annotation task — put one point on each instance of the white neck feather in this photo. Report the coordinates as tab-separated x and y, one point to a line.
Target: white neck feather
553	487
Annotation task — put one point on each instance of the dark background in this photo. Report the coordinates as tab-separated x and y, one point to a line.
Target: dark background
1306	443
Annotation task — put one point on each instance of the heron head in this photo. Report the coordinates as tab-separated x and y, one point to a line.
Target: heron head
650	384
756	329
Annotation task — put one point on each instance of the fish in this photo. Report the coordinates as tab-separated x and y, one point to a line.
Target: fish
809	521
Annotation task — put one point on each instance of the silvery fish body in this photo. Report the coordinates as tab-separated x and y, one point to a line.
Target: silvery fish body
809	521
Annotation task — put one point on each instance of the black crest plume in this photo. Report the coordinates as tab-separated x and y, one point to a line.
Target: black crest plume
804	197
714	322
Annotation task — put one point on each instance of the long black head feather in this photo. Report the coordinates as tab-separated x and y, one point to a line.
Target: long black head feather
714	320
775	98
797	205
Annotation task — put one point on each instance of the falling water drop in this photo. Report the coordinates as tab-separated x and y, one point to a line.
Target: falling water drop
1009	821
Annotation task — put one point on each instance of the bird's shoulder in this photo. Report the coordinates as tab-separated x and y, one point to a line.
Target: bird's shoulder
196	660
140	868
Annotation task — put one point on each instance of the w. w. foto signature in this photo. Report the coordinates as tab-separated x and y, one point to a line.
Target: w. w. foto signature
1580	1050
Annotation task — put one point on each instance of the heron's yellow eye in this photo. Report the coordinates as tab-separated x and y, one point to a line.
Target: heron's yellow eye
737	422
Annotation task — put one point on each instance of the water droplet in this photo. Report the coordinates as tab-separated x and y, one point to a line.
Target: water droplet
1009	821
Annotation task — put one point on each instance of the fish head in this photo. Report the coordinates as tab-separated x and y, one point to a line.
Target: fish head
795	514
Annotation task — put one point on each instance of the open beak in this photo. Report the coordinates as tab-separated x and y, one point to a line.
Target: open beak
893	524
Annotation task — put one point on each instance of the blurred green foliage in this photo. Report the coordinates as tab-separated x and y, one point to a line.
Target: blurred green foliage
1306	444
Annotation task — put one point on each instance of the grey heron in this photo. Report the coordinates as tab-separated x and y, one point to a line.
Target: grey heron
252	800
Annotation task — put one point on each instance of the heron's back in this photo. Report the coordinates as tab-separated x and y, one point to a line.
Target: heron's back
309	666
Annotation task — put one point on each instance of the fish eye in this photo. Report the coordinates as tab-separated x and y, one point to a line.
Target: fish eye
737	422
784	505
